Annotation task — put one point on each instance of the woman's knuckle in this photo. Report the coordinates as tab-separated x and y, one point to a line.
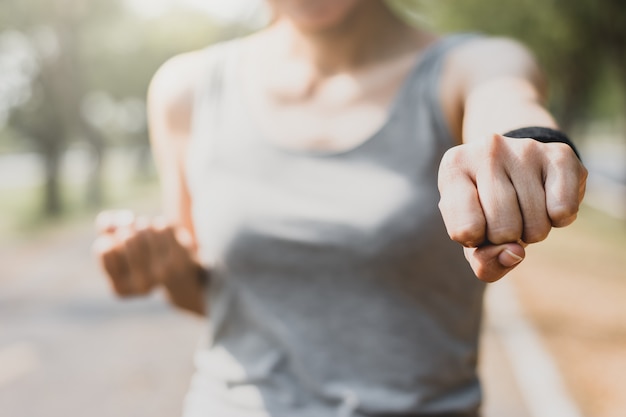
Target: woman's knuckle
584	173
569	208
535	234
143	287
452	156
564	214
561	154
470	235
494	146
527	149
121	288
162	233
126	238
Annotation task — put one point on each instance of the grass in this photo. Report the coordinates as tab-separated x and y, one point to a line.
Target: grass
22	209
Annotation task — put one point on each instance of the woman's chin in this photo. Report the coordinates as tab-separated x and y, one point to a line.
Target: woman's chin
319	16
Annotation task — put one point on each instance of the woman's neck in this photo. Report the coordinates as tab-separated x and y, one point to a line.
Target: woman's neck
371	33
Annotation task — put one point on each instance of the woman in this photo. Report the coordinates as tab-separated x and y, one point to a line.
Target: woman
300	168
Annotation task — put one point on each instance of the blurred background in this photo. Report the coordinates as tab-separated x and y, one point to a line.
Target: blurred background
73	140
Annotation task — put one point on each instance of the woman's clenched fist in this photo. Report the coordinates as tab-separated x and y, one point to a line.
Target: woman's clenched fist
499	194
138	254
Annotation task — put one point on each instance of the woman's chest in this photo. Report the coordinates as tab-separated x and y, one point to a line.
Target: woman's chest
296	110
317	204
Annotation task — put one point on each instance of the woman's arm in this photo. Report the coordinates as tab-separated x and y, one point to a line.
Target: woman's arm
170	102
497	193
136	253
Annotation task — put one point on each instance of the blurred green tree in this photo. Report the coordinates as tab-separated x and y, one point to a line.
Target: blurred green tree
52	114
88	64
574	40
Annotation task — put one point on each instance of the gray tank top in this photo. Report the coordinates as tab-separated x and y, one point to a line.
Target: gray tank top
335	290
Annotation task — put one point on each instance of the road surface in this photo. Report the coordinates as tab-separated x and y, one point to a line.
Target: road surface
69	348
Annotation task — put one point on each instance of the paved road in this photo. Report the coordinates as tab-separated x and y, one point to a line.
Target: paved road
68	348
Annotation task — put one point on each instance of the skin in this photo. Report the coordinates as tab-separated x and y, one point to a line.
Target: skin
497	194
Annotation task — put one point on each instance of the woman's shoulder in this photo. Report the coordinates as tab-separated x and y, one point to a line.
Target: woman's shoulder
484	56
181	74
174	86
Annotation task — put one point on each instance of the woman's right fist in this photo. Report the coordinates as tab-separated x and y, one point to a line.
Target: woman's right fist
138	254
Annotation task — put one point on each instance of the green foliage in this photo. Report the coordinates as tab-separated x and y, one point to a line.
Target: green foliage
124	53
93	60
19	207
96	52
577	42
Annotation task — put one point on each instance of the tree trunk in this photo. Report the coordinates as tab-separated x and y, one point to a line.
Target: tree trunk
94	194
70	90
52	204
144	166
